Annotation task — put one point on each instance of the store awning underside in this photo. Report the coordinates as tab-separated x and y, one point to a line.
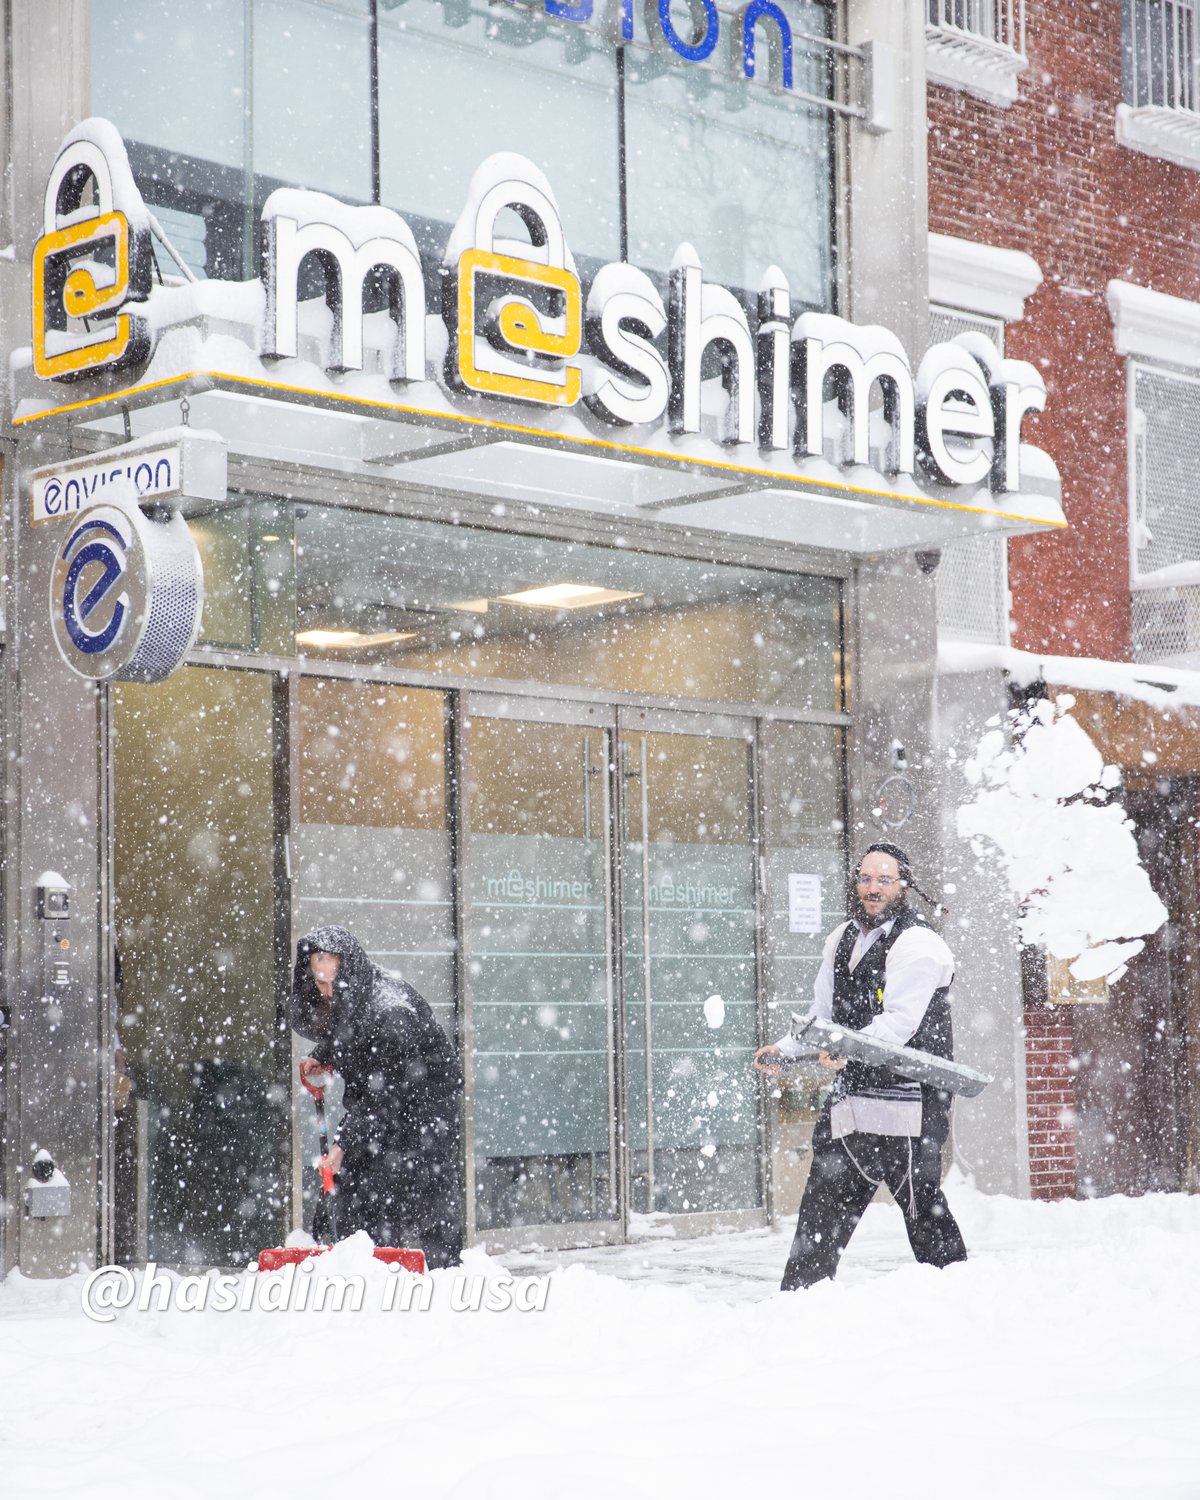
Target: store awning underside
451	455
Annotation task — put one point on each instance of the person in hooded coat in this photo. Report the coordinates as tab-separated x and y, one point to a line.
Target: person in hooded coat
397	1148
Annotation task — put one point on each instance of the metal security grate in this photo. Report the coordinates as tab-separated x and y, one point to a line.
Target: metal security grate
947	323
1161	54
972	579
1000	22
972	590
1165	437
1166	626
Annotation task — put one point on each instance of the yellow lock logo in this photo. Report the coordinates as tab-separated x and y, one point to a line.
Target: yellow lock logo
517	322
87	272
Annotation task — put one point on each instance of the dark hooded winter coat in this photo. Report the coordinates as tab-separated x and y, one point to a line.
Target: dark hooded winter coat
400	1178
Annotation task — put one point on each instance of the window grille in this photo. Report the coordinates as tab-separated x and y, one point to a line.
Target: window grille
977	46
1001	22
972	578
947	323
1164	442
1165	435
1161	112
1166	626
1160	54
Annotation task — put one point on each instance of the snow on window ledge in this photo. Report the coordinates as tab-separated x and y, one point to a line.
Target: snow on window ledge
1156	130
1169	688
982	279
1152	325
988	70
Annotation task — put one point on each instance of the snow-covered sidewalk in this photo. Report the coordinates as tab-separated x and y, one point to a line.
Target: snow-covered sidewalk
1063	1360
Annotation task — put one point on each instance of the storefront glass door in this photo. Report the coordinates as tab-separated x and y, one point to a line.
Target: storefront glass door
542	1085
690	970
612	965
201	1128
370	851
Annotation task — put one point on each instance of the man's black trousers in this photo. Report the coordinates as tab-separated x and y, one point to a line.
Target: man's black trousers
841	1183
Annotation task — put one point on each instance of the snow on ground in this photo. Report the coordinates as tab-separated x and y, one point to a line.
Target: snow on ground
1063	1360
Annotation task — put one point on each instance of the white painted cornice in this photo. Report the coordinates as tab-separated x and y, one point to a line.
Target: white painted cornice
958	59
981	278
1153	325
1170	134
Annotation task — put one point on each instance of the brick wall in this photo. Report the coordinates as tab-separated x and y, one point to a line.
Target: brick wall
1050	1098
1048	177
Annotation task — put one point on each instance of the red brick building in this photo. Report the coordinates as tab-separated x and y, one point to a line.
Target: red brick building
1070	132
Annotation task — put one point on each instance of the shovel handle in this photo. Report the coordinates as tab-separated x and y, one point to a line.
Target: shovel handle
323	1133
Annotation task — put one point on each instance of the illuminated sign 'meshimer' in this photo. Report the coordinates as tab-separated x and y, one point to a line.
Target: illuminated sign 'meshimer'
521	332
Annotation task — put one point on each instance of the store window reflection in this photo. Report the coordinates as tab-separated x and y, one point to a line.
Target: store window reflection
373	849
480	604
219	104
194	904
543	1089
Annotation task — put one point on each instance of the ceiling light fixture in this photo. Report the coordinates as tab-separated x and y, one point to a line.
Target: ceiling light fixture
567	596
350	640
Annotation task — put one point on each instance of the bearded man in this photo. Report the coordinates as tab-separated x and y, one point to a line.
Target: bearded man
885	973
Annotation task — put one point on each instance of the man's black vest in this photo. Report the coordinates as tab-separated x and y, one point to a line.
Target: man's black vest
858	999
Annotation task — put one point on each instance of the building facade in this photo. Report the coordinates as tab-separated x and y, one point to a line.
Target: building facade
558	440
1064	184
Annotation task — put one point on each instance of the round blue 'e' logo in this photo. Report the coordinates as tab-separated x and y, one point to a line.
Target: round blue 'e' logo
126	592
94	612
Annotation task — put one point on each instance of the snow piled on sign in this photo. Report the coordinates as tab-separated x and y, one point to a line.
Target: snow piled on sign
1068	852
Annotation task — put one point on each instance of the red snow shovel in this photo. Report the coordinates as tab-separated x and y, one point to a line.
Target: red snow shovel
285	1255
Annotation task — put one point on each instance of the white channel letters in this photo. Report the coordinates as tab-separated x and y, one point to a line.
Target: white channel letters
785	393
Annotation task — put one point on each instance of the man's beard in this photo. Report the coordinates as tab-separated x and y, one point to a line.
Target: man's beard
871	919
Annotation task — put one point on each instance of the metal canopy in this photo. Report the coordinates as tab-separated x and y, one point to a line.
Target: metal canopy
460	455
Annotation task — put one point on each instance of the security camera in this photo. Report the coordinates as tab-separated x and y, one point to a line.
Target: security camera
47	1191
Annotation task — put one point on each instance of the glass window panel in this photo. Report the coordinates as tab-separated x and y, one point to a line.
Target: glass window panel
804	809
542	1094
690	935
737	168
173	76
223	538
194	898
373	847
475	81
188	234
456	600
312	95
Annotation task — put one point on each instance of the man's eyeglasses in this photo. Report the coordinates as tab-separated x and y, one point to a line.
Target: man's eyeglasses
884	882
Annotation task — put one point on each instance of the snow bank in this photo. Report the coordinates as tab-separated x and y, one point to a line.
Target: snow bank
1060	1360
1069	854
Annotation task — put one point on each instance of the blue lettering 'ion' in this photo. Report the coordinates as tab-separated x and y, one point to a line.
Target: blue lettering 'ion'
700	49
760	10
